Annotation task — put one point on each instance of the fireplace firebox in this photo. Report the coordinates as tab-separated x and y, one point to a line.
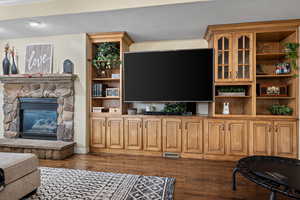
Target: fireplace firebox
38	118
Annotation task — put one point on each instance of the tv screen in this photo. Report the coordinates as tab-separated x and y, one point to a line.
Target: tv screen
169	76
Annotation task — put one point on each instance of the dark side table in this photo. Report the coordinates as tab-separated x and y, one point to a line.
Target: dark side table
277	174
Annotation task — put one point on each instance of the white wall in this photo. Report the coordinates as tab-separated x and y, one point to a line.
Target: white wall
71	47
202	108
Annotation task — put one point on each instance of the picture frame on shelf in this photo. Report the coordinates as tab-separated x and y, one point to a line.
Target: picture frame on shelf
112	92
115	76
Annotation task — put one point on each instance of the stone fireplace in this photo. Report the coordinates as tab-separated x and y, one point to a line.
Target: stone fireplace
39	106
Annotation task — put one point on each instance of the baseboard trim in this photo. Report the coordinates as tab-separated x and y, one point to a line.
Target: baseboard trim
81	150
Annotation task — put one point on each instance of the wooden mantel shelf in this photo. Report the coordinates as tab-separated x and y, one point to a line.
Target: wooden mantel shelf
32	78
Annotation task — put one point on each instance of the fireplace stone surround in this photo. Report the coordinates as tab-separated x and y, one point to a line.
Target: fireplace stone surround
60	86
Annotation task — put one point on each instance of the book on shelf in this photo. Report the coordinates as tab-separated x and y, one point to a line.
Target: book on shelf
98	90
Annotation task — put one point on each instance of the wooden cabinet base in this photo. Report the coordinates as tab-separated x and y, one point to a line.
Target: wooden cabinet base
194	137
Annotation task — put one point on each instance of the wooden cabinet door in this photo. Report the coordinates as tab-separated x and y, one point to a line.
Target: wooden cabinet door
285	139
192	136
223	57
243	56
152	134
171	135
115	133
260	138
237	138
214	137
133	133
98	132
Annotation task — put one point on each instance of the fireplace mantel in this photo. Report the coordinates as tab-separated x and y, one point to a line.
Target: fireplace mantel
37	78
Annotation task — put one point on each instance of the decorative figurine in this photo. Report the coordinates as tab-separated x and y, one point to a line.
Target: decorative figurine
5	62
226	108
68	67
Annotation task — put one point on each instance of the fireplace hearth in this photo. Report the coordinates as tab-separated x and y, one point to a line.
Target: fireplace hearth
38	118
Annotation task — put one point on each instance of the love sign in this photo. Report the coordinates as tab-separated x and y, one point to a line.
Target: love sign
38	59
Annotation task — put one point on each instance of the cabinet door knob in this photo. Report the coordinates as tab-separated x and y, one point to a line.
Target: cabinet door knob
270	128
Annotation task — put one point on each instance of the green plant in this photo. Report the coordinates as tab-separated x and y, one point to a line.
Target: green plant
175	107
231	89
277	109
292	53
107	56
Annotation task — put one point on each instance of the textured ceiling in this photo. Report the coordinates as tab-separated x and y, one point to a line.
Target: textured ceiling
182	21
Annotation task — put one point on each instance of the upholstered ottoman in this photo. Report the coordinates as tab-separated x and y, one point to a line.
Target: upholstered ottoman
19	175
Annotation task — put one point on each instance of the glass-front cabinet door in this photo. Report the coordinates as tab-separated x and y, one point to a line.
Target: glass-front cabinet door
223	57
243	56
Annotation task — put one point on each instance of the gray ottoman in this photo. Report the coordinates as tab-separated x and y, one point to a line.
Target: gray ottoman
21	175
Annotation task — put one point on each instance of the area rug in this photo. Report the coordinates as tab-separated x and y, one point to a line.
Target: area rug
72	184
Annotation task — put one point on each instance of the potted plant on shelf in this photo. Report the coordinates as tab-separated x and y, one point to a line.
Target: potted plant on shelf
291	51
230	91
107	57
277	109
175	108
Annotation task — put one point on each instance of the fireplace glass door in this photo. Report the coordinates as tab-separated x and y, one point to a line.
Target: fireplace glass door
38	118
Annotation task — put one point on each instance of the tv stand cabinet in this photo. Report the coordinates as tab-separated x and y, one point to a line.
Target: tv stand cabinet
194	136
250	129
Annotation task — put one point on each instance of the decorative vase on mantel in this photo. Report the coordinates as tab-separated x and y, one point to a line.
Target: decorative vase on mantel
5	62
14	69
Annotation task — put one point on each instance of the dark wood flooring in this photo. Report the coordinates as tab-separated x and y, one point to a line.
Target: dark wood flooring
195	179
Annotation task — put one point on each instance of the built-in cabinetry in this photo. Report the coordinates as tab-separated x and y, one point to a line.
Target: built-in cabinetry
225	137
246	56
152	137
278	138
194	137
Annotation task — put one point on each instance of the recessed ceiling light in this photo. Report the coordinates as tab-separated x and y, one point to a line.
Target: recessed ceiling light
37	24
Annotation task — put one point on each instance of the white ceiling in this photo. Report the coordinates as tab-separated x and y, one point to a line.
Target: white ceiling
172	22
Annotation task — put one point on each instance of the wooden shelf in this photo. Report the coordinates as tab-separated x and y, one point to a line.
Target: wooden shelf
106	97
272	98
277	116
271	55
231	115
232	97
275	76
233	83
106	79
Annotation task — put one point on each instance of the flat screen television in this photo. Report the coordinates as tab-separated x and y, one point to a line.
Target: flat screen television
169	76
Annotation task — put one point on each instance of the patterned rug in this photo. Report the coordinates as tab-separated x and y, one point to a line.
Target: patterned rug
72	184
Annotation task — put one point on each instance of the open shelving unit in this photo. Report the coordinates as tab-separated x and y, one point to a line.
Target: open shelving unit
269	52
123	42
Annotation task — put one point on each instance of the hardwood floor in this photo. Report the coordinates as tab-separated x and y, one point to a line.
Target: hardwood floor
195	179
